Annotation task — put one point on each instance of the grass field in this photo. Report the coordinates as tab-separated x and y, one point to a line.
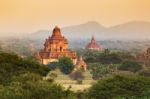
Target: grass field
66	82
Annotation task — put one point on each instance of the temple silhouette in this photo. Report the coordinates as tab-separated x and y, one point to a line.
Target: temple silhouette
56	46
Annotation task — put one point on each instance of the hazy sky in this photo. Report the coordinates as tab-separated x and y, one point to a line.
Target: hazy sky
32	15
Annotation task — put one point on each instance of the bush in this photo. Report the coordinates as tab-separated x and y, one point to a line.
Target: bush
23	79
111	58
120	87
53	65
66	65
100	70
11	65
51	76
91	55
132	66
30	86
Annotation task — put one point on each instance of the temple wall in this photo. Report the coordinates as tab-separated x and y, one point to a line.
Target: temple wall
47	61
74	61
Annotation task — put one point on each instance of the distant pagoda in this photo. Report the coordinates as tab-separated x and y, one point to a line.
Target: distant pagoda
93	45
145	57
55	47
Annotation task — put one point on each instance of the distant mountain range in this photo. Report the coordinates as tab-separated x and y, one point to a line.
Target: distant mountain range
130	30
120	37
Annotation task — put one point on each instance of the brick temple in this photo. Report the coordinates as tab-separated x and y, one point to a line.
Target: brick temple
93	45
56	46
81	64
145	57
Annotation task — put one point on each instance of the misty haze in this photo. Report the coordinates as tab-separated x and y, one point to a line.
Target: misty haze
74	49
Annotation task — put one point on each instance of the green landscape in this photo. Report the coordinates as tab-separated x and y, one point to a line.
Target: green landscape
74	49
110	75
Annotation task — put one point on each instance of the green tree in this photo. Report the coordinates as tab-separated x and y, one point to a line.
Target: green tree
31	86
121	87
106	51
51	76
11	65
53	65
132	66
23	79
91	55
98	70
66	65
109	58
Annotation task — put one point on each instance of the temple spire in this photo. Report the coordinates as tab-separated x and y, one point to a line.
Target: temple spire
56	32
80	63
93	39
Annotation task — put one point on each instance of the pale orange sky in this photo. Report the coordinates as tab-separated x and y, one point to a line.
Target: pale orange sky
32	15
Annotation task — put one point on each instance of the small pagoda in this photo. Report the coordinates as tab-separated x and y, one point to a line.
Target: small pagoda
145	57
93	45
56	46
81	64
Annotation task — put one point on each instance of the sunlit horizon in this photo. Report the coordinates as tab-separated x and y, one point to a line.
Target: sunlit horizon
31	15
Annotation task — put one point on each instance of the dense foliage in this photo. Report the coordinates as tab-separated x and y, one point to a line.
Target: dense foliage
110	58
66	65
119	87
53	65
132	66
23	79
11	65
100	70
106	56
31	86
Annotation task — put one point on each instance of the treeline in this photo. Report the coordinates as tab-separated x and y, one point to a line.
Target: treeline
23	79
106	56
121	87
107	62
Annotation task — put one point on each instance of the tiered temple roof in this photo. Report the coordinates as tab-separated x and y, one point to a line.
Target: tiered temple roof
56	46
93	45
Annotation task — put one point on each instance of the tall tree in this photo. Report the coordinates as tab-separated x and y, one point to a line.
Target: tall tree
66	65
